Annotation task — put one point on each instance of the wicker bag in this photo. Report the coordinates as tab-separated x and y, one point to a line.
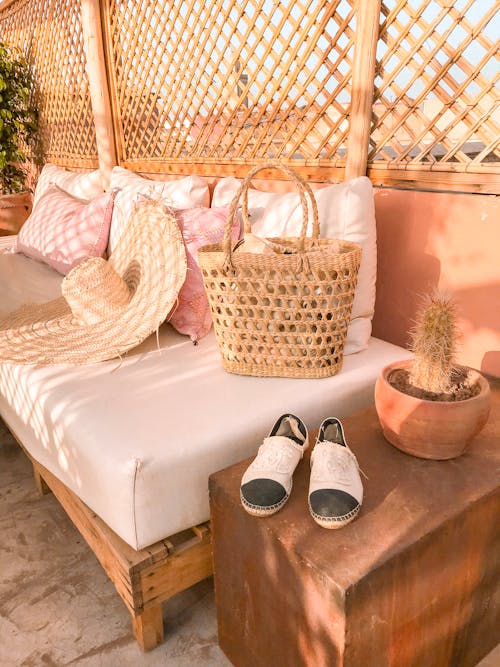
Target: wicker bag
284	312
14	210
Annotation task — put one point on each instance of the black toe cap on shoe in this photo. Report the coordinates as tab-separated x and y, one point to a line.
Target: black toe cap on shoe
332	503
263	492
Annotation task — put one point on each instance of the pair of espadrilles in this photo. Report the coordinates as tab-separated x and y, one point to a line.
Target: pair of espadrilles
335	488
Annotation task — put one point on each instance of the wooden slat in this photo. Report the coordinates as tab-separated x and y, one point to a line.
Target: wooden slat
221	168
98	85
363	71
189	564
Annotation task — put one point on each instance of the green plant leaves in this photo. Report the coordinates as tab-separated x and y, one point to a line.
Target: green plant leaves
18	118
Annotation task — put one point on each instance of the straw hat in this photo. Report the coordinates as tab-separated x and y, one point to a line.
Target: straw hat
107	307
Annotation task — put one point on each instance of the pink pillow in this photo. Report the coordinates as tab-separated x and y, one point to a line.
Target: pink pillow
199	226
63	230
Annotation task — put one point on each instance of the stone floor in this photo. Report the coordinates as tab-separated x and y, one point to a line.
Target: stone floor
57	606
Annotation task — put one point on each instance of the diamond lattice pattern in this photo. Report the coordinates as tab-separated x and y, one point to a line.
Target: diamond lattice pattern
49	33
241	80
437	89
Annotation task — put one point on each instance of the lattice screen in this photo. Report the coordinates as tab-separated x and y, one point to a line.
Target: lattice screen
50	35
437	102
215	86
231	81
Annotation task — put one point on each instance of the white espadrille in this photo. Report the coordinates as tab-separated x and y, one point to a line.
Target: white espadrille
267	482
335	488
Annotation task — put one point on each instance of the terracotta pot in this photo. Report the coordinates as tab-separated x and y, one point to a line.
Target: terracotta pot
14	210
429	429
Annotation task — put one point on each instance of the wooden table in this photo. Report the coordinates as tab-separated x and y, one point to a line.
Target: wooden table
412	581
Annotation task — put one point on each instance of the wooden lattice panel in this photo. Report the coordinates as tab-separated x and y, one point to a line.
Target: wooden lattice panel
210	83
436	104
49	33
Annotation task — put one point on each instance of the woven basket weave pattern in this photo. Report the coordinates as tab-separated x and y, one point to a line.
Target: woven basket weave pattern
282	314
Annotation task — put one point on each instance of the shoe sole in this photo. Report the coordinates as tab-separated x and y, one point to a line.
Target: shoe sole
261	510
334	522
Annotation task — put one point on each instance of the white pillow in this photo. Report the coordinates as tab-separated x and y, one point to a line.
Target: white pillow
346	211
182	193
83	185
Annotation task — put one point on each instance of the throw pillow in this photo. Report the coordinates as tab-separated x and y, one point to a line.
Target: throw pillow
63	230
346	211
199	227
180	194
84	185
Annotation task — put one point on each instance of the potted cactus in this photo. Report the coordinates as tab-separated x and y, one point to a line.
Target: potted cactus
429	406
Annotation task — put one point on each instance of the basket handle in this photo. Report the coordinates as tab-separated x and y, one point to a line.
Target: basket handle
242	194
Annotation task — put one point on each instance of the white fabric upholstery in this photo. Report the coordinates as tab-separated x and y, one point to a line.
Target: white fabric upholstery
137	440
7	242
182	193
23	279
83	185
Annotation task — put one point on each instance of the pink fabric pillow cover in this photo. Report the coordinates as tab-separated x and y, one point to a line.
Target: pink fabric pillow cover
199	226
63	230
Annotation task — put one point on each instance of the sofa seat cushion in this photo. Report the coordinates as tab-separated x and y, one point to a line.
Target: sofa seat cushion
23	279
136	440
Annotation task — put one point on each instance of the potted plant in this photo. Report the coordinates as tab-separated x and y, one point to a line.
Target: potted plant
429	406
18	131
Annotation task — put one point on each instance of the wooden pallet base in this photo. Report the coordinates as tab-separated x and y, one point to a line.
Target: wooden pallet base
146	578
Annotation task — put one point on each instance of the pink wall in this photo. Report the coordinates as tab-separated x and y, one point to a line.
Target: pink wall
445	240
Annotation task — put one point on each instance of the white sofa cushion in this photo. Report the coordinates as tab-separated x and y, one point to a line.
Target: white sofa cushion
23	279
182	193
346	211
136	440
86	185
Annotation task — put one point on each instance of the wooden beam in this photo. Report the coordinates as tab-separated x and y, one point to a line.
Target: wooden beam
99	89
363	76
316	172
42	488
483	182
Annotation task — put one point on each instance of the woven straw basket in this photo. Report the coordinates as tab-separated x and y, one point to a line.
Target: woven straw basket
283	313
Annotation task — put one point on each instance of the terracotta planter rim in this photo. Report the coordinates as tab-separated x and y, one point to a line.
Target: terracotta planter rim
405	363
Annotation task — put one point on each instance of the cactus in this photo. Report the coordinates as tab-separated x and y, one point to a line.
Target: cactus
433	341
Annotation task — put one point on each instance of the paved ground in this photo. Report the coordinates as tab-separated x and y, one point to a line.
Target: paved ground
57	606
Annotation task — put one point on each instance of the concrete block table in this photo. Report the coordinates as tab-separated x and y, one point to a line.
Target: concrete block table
413	581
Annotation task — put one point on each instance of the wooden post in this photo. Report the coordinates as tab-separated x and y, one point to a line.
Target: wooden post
363	77
99	89
147	627
42	487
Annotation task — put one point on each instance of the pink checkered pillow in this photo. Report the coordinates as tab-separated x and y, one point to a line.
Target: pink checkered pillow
199	226
63	230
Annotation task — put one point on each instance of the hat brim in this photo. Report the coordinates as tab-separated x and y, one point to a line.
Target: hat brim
151	259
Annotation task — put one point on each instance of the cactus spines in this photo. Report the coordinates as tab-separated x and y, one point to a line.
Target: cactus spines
433	341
